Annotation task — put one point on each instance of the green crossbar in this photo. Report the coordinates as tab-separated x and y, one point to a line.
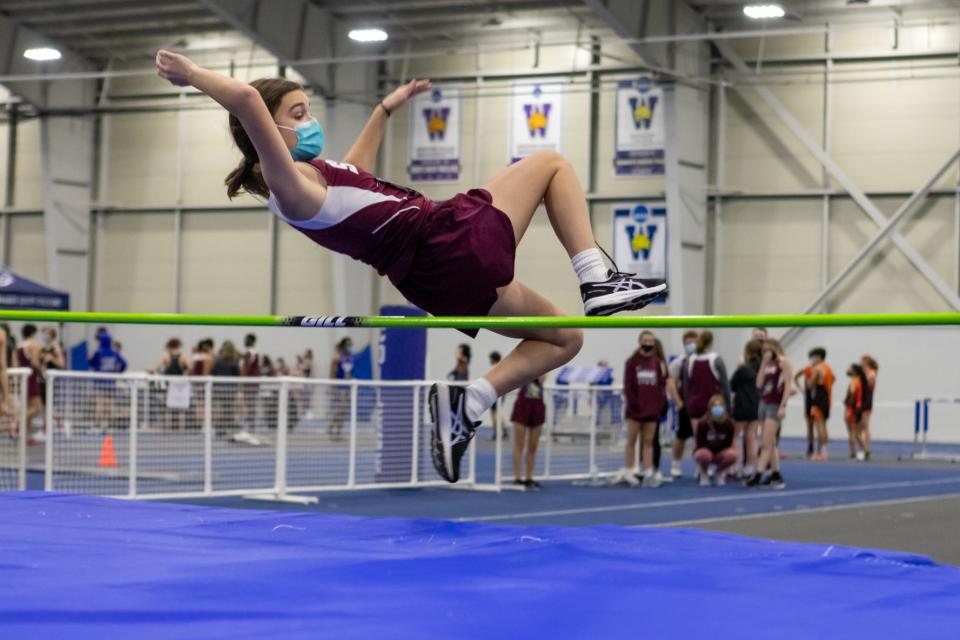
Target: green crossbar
494	322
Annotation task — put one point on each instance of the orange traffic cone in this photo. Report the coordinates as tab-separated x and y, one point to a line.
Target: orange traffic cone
108	457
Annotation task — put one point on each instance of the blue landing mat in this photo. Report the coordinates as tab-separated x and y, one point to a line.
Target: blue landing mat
83	567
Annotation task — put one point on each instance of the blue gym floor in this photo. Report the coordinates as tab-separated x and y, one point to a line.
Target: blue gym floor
473	564
825	491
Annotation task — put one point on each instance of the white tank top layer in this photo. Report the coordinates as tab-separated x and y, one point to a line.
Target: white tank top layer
340	204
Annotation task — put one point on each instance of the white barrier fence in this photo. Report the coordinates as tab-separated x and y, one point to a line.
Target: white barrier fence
13	432
150	436
583	436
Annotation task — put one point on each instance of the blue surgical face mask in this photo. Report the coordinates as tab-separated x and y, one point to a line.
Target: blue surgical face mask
718	411
690	347
309	139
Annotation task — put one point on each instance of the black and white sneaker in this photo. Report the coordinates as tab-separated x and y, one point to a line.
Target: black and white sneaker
619	292
452	430
774	481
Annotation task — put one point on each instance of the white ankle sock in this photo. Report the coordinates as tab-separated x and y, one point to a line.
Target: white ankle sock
589	266
480	396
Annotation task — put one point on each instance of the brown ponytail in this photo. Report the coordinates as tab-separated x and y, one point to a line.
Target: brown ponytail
704	341
246	176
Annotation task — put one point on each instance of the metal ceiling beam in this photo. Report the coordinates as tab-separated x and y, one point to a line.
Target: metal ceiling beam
301	30
340	8
145	27
631	19
858	196
16	38
137	16
886	230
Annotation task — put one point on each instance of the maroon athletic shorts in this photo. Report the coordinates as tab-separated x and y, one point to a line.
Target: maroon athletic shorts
465	254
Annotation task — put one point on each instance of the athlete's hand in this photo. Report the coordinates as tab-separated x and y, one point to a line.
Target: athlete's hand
404	92
782	412
175	67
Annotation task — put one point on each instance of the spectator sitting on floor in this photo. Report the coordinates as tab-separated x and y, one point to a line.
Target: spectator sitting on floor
714	442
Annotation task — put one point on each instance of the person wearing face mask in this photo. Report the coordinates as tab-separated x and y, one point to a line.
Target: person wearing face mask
706	377
453	257
341	368
646	384
714	443
773	382
678	371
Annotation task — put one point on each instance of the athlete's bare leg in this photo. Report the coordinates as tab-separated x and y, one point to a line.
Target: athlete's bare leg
540	350
544	177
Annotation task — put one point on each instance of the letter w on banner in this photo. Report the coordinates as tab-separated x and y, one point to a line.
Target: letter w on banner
536	118
640	239
435	136
640	131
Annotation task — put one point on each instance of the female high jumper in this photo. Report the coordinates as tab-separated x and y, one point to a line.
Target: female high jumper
450	257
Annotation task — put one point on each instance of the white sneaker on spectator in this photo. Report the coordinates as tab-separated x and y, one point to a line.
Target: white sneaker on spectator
704	480
675	470
651	481
720	479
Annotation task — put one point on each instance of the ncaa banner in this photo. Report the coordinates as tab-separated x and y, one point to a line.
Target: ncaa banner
435	135
640	130
640	239
536	117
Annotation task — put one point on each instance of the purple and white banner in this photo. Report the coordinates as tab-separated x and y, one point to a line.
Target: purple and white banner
640	130
640	239
435	135
536	118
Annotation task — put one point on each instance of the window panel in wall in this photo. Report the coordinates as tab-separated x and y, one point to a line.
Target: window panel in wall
226	262
135	263
28	190
761	154
769	255
893	127
304	277
140	161
28	249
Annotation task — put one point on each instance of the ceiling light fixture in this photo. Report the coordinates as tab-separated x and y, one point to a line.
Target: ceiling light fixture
368	35
42	54
763	11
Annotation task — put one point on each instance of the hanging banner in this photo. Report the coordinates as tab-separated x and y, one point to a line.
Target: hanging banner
640	130
640	239
536	118
435	135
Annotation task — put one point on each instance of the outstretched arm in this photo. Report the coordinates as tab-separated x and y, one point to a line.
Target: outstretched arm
297	194
363	153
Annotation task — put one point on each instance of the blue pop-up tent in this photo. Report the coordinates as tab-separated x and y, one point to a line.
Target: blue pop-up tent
16	292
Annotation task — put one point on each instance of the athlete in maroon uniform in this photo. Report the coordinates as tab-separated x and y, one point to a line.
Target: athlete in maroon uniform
28	355
453	257
529	414
706	377
646	384
773	383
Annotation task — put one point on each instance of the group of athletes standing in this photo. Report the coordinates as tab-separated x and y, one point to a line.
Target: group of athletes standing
735	421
